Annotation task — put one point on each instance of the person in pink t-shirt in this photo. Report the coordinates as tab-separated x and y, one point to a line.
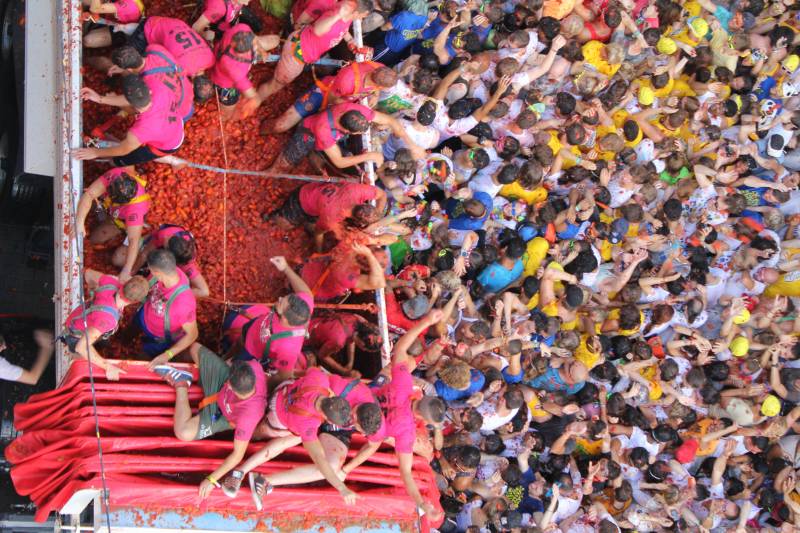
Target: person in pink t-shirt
182	244
190	50
121	191
168	317
323	130
160	71
99	319
355	268
331	333
123	13
276	337
234	398
367	420
402	408
231	72
156	132
235	319
356	80
219	16
305	46
297	410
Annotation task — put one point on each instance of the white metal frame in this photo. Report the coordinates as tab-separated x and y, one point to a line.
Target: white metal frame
68	181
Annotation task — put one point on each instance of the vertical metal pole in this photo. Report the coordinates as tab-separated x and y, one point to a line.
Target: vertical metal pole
69	180
380	296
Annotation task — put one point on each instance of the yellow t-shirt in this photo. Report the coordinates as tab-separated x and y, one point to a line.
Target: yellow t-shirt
787	285
588	447
534	406
533	303
585	355
534	255
649	373
514	191
592	54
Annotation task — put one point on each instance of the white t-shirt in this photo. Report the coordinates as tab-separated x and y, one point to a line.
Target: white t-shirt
8	371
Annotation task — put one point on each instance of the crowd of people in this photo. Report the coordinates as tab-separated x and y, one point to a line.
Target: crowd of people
586	221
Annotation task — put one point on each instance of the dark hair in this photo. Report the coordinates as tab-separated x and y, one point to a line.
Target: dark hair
565	103
639	457
472	420
426	113
432	409
161	260
576	134
369	417
468	456
136	91
122	189
242	378
573	296
514	398
297	312
479	158
127	57
716	371
203	88
530	285
629	317
354	121
630	129
183	247
242	41
493	444
621	346
550	27
337	410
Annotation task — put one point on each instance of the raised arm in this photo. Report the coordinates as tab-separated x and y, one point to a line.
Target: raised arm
400	352
297	283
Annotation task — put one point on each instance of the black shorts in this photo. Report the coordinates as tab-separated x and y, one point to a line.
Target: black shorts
137	39
70	341
293	212
299	146
228	97
143	154
343	435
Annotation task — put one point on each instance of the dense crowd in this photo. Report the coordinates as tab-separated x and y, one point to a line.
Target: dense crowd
586	221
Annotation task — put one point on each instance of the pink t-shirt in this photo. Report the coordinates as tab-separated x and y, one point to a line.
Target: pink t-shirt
234	330
222	13
325	124
314	46
131	214
357	395
101	320
162	71
331	203
342	277
160	126
345	85
232	69
182	311
244	415
189	49
128	11
314	8
302	417
332	331
395	399
284	354
161	239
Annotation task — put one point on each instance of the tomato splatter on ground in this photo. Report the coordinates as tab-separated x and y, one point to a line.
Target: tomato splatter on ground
194	198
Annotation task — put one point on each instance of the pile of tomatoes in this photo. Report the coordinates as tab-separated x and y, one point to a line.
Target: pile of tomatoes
224	212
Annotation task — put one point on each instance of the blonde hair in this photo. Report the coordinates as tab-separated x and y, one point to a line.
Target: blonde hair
615	54
455	375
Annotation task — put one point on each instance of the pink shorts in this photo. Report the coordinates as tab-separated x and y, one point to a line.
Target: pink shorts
290	65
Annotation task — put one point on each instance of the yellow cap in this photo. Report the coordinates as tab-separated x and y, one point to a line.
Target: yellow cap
666	46
699	27
791	62
742	317
771	405
739	346
646	95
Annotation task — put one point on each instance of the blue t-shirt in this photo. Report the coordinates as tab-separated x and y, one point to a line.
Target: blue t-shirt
551	382
724	17
462	221
406	28
496	277
449	394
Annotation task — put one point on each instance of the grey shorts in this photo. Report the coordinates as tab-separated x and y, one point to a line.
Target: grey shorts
214	373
